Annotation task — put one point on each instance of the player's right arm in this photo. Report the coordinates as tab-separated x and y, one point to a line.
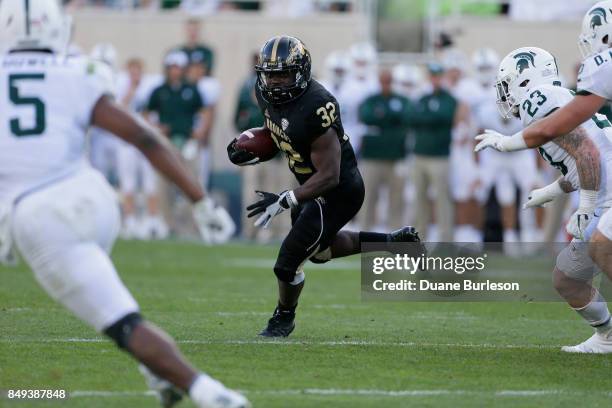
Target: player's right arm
563	121
110	116
594	87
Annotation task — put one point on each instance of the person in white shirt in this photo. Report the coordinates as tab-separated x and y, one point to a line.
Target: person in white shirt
135	173
361	83
60	213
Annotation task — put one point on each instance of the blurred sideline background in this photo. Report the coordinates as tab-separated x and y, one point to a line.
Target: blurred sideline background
407	33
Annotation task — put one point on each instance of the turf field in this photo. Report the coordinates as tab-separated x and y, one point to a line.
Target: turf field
344	353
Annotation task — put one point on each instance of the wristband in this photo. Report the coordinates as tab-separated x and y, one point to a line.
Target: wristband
293	202
588	200
514	142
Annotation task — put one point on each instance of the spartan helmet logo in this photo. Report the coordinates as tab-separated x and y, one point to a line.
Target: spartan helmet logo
523	59
597	15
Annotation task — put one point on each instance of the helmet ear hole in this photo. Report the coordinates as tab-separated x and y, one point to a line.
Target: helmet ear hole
605	39
524	83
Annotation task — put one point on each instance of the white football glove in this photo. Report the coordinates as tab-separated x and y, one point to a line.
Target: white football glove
580	219
540	197
190	150
271	205
491	138
214	223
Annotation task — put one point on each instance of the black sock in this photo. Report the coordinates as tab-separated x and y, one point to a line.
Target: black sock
372	237
284	309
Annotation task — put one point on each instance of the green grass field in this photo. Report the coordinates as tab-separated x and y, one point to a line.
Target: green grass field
343	353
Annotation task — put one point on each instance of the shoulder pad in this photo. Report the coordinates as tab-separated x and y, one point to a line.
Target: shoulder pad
541	101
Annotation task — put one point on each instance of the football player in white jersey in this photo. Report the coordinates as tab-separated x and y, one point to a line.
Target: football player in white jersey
594	90
466	183
409	81
504	171
529	87
361	83
133	90
60	213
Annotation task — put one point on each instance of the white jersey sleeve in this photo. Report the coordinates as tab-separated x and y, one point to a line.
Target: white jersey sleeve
541	101
595	75
97	79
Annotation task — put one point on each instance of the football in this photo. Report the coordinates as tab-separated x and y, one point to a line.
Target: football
259	142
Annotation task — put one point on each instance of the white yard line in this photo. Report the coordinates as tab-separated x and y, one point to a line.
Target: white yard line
359	392
339	343
268	263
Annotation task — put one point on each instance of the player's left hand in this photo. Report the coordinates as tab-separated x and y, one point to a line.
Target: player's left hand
270	205
578	223
490	138
213	221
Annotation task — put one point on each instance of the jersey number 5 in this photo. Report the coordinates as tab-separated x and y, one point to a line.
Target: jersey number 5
327	113
40	120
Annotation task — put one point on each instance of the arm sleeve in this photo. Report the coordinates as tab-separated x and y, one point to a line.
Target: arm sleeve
366	112
322	113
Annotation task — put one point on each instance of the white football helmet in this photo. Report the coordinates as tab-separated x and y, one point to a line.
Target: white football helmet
454	59
522	69
364	59
485	62
596	34
33	25
407	79
337	66
106	53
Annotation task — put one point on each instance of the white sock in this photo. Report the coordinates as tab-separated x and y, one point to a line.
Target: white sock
203	390
596	313
463	233
510	235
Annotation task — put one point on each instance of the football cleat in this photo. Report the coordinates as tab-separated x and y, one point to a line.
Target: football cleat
409	234
406	234
598	343
212	394
281	324
167	394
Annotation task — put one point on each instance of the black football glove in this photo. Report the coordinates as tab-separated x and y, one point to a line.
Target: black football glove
270	205
240	157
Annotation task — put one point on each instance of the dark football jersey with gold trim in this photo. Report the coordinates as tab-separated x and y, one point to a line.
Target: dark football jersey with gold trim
295	125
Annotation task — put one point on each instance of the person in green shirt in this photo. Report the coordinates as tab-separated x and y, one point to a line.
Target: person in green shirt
383	147
432	120
197	52
177	104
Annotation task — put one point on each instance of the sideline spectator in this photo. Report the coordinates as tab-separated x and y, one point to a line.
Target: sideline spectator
210	91
433	119
383	147
134	169
197	51
177	104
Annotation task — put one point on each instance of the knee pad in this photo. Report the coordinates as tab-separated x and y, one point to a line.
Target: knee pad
322	256
289	275
284	273
121	331
575	263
